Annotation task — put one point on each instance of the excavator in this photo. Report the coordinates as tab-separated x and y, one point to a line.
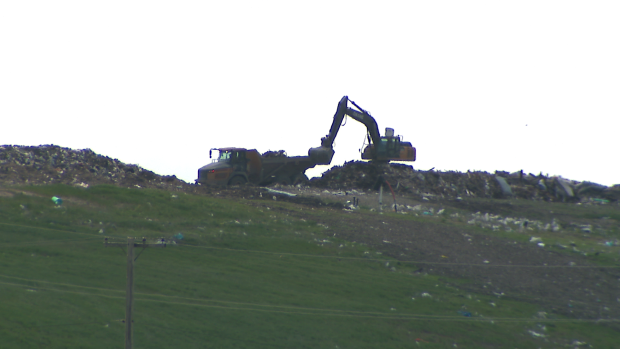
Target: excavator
235	166
379	149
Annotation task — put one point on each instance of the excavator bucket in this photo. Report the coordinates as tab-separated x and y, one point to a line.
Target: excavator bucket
321	155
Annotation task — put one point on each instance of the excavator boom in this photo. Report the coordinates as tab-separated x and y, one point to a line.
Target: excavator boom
381	149
361	116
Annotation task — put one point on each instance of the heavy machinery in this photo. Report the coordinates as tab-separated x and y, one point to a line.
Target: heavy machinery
379	149
235	166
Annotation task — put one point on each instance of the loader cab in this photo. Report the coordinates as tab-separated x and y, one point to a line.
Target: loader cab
236	157
232	155
224	155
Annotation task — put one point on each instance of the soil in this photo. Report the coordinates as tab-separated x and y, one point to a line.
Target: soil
560	283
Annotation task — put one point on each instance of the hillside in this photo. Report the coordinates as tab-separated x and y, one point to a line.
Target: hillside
460	263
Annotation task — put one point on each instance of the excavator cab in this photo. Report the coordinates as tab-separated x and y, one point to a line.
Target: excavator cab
389	148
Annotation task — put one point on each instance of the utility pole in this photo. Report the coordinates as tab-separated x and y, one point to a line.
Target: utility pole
129	289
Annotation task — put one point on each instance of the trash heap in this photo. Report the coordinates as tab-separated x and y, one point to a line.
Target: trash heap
453	185
49	164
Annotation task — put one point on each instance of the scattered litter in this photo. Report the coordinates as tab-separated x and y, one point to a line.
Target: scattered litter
564	188
457	185
505	187
57	200
178	236
535	239
536	334
51	164
424	294
601	201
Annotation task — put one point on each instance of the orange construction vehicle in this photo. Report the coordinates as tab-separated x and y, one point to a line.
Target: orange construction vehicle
235	166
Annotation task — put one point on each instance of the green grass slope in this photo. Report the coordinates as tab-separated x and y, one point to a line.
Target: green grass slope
243	276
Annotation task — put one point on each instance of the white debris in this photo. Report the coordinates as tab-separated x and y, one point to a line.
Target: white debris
536	334
273	191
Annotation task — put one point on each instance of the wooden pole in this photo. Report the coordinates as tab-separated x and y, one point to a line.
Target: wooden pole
129	291
129	296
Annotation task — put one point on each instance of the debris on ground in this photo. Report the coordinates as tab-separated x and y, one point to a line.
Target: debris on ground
51	164
429	185
280	192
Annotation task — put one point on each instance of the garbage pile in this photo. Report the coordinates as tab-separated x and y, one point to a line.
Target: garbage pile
50	164
274	154
453	185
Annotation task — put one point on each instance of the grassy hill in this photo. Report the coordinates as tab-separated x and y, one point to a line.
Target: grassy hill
247	273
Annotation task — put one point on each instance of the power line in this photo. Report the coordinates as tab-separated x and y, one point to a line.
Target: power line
59	325
401	261
317	311
50	242
488	265
44	228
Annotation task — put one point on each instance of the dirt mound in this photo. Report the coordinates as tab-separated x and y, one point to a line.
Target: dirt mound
451	185
50	164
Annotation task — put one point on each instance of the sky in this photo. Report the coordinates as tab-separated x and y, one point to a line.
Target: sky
473	85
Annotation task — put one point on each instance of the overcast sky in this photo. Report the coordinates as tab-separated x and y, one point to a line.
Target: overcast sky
473	85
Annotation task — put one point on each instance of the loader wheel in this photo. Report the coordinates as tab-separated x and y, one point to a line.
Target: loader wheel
300	178
237	180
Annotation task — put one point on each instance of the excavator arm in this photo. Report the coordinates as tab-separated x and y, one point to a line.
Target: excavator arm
361	116
383	149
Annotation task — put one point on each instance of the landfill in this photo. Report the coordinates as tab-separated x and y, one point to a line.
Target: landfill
51	164
431	184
